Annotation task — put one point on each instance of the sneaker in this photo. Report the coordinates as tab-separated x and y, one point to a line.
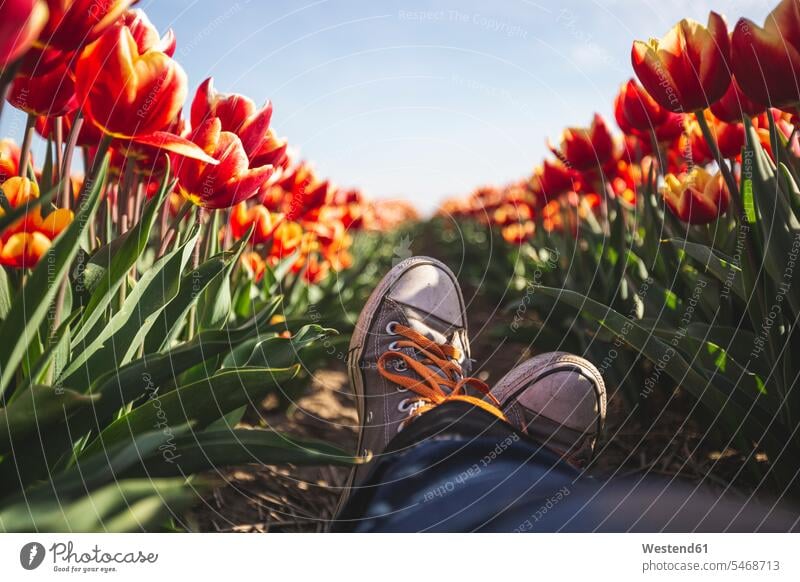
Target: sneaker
409	352
557	398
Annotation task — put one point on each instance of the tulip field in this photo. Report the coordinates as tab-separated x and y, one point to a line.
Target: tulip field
175	279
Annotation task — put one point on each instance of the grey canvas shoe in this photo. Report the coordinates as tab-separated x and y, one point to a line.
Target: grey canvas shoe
409	351
559	399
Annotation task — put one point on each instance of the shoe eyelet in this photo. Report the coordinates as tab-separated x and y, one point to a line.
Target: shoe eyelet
390	327
393	347
401	389
404	405
400	366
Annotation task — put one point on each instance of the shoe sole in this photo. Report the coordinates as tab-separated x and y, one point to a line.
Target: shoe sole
358	342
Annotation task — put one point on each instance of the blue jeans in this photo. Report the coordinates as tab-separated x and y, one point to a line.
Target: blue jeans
458	468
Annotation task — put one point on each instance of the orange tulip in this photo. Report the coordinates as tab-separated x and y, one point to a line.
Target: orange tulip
585	149
511	213
287	238
23	249
21	21
263	221
24	242
223	185
76	23
687	69
20	191
519	232
254	265
696	197
9	159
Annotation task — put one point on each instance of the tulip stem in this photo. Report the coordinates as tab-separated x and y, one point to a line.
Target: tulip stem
657	150
72	140
730	181
26	144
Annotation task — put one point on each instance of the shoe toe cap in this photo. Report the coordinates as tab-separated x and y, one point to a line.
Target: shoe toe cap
432	290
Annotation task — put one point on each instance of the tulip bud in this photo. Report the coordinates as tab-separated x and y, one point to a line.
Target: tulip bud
687	69
696	197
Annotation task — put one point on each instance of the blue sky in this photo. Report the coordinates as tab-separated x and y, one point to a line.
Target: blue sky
423	99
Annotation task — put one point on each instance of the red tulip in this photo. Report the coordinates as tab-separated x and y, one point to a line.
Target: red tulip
766	61
77	23
688	68
735	105
49	91
126	93
635	108
552	179
146	35
696	197
585	149
133	95
272	150
223	185
21	21
236	113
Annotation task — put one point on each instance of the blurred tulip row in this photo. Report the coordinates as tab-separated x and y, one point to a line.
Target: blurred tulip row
676	238
100	77
150	299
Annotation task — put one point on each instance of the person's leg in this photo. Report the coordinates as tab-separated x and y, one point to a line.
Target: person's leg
410	353
446	460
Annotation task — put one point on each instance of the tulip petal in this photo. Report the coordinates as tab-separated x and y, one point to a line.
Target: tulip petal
175	144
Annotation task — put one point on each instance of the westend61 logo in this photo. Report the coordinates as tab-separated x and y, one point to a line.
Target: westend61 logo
67	559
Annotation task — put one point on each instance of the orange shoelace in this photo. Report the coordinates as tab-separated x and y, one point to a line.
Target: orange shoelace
430	389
